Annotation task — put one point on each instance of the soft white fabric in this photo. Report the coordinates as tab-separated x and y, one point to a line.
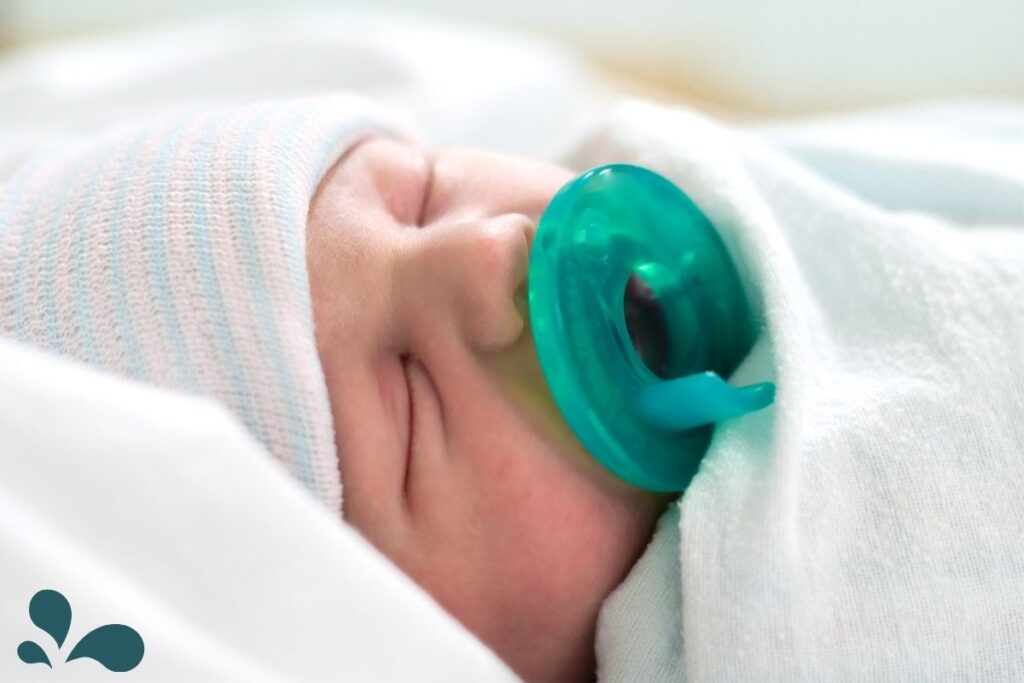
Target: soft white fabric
460	83
640	634
113	494
870	524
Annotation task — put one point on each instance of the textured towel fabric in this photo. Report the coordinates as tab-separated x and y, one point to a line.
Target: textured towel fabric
869	526
641	626
174	254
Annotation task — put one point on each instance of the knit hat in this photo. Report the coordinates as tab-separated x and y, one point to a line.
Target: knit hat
174	254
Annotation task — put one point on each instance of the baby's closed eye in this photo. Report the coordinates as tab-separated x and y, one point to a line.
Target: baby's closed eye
402	175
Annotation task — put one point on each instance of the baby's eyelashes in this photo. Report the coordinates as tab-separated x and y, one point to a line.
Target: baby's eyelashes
428	187
402	177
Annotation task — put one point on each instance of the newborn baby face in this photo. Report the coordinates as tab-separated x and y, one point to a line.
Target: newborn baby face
455	461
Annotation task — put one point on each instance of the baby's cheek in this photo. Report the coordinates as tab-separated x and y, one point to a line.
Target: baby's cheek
571	540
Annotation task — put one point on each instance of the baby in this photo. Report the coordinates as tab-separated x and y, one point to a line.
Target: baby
358	302
455	461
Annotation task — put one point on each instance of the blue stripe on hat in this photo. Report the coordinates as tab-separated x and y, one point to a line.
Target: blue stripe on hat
267	329
159	273
20	306
203	251
83	311
48	276
122	311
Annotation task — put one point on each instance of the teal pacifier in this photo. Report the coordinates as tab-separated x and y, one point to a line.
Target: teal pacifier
637	313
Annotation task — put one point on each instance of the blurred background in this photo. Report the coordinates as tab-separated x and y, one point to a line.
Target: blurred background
770	56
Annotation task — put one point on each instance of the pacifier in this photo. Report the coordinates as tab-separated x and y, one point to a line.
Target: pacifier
637	313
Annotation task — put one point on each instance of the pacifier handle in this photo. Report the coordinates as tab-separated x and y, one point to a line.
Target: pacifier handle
696	400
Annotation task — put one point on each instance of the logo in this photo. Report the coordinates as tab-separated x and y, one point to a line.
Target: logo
115	646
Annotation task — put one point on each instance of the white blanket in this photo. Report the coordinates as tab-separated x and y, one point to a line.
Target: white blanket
459	83
111	493
870	525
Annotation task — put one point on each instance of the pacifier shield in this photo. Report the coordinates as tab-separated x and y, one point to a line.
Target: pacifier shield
631	291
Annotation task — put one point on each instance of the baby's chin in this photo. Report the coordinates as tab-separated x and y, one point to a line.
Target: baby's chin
532	591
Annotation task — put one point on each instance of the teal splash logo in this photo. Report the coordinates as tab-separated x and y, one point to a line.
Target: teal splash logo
115	646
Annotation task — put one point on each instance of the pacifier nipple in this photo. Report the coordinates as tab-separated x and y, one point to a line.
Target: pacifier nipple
637	313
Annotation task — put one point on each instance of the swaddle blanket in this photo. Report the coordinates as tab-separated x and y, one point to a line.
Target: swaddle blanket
175	255
869	526
156	510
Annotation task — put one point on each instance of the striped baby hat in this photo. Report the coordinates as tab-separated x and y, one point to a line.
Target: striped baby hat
174	254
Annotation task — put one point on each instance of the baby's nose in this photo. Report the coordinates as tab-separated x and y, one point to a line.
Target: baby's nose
471	274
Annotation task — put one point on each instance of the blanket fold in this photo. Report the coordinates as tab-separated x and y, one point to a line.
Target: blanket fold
868	525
